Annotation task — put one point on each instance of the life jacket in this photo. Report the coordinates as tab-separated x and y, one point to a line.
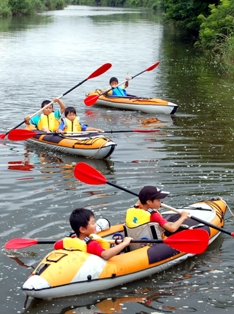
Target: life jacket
138	226
72	126
48	121
76	244
119	91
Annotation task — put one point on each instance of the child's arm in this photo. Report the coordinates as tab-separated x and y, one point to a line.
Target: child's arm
107	254
126	83
27	120
34	120
61	104
174	226
89	128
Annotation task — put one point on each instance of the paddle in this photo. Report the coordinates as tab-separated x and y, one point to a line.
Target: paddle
22	134
89	175
90	100
116	131
190	241
102	69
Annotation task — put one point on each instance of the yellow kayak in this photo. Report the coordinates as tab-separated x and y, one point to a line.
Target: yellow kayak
131	102
65	273
91	145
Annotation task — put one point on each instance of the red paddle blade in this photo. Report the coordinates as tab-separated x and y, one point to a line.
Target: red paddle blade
2	136
20	135
19	243
89	175
100	70
153	66
90	100
194	241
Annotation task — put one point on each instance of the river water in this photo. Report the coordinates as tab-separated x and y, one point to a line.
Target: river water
192	155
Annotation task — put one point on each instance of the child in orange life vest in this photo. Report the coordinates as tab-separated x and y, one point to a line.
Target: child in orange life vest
82	221
48	121
71	123
150	198
118	90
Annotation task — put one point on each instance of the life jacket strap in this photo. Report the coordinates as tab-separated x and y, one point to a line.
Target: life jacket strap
87	239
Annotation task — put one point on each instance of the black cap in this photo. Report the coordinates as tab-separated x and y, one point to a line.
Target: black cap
113	79
151	193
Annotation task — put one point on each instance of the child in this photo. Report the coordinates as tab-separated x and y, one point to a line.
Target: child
82	221
150	198
71	123
118	90
48	121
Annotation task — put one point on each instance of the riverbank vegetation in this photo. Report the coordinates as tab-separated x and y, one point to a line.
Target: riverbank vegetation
210	23
29	7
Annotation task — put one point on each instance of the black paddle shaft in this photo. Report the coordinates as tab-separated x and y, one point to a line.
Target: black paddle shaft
122	188
192	217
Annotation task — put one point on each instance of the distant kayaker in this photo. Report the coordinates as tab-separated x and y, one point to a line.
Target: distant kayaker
49	120
118	90
71	123
150	201
83	223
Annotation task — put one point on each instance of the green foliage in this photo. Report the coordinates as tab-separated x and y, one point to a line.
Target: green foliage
218	27
185	12
212	23
216	36
54	4
21	7
157	5
4	8
228	55
28	7
38	5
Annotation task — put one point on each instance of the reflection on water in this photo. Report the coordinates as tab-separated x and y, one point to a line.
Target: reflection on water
22	23
20	165
112	304
62	161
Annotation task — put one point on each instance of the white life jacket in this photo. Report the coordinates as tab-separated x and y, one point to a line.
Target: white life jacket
138	226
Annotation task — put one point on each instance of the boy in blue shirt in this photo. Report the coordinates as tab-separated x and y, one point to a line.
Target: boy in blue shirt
49	120
118	90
